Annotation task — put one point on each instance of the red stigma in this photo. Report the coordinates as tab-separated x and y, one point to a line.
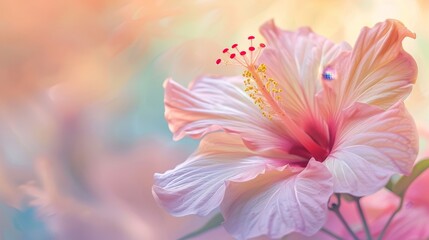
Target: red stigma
245	58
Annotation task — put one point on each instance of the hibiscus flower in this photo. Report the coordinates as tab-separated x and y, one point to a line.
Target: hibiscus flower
314	118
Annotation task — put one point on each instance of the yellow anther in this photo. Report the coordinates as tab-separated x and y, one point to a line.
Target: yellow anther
247	74
262	68
260	88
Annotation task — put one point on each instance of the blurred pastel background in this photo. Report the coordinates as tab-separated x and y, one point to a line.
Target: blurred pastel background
81	102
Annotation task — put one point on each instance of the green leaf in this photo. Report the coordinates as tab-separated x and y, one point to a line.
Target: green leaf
214	222
393	180
347	197
390	185
405	181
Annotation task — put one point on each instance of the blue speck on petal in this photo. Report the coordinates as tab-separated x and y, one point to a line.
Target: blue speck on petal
328	74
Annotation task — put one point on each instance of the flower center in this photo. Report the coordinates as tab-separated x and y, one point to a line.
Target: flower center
265	92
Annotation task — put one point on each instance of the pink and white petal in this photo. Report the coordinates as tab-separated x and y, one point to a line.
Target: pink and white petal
378	71
214	104
296	60
372	145
197	185
354	174
278	202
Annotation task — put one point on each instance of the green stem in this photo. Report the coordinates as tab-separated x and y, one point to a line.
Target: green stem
331	233
336	209
362	217
340	216
380	237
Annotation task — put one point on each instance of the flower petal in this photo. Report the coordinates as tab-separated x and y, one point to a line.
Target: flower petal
218	104
414	192
296	60
410	224
373	145
197	186
378	71
278	202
